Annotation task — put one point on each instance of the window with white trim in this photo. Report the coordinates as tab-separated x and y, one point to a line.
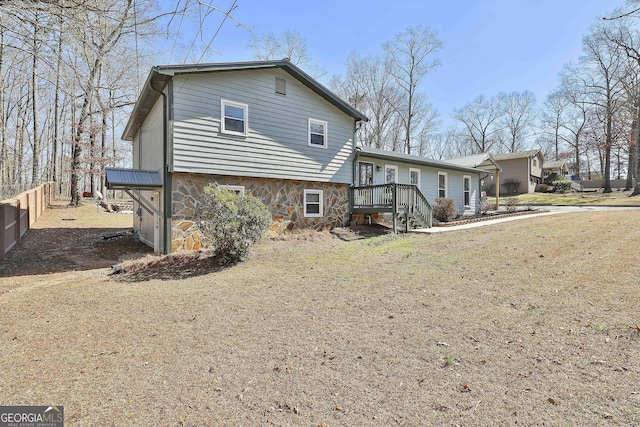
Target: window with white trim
365	173
390	173
317	133
414	177
313	203
234	117
466	190
442	184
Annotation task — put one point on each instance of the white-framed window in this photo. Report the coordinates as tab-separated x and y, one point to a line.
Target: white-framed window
317	133
466	190
442	184
414	177
238	189
234	117
390	173
365	173
313	203
535	162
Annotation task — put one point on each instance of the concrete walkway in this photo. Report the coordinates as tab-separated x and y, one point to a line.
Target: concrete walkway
545	210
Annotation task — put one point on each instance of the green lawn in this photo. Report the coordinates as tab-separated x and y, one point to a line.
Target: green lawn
574	198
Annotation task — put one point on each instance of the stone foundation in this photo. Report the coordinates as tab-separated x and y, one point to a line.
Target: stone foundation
283	197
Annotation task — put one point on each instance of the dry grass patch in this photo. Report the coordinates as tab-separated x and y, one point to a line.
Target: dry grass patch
532	322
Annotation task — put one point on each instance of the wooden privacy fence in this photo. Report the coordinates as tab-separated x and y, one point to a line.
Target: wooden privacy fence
19	213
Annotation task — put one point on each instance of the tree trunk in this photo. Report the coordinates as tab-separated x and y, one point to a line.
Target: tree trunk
35	164
631	169
636	150
56	110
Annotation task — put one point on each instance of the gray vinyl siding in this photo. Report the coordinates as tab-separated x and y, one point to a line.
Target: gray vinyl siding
277	142
429	181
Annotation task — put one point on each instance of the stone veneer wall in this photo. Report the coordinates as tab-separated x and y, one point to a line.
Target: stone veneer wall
283	197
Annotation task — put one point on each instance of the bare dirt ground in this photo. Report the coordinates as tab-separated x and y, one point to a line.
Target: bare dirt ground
531	322
67	239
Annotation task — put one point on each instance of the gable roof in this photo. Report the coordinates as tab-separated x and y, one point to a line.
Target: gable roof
376	153
517	155
555	164
160	75
484	161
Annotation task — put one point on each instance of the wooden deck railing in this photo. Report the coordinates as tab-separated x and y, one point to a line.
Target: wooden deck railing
394	198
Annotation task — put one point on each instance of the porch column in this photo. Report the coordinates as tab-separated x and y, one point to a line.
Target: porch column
497	189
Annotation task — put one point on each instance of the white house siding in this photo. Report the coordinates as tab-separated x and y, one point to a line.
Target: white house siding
429	181
277	142
149	141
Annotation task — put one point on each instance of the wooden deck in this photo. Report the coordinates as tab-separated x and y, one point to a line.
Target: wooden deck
398	199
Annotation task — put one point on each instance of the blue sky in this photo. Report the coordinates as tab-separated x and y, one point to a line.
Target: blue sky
489	46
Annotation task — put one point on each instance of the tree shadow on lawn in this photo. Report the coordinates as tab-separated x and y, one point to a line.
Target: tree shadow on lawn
58	250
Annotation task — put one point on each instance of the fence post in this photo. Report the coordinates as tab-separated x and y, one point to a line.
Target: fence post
18	221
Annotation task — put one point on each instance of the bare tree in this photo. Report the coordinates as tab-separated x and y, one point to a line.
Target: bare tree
290	45
552	119
604	63
413	55
517	118
575	118
626	38
481	122
370	88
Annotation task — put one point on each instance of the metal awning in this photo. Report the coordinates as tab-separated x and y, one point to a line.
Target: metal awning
132	179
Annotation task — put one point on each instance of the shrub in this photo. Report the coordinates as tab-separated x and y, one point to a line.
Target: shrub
231	222
542	188
562	186
445	209
553	178
512	204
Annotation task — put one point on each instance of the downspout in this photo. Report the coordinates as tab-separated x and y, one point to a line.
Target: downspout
166	179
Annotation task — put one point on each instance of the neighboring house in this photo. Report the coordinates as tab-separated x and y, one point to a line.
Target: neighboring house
263	126
559	166
433	178
485	162
521	171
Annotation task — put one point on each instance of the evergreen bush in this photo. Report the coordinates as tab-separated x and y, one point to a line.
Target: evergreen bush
553	178
231	222
562	186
